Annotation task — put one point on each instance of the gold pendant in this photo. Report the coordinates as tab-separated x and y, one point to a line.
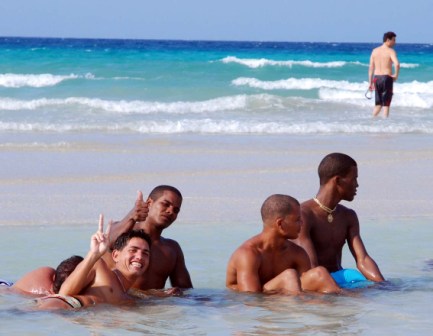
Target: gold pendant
330	218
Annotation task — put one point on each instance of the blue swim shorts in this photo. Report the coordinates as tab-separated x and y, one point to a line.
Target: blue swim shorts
348	277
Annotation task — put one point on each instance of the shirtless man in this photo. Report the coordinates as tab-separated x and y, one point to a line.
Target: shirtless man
46	280
153	216
93	281
327	225
380	76
270	263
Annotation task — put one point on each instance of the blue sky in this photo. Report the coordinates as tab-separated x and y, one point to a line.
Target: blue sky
270	20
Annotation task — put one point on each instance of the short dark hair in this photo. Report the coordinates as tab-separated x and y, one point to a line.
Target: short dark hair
277	205
334	164
159	190
125	237
388	36
65	268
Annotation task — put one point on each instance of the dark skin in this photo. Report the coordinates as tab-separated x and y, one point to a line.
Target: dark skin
268	262
166	259
324	241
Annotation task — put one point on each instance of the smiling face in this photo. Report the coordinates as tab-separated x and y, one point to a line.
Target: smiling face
133	259
163	211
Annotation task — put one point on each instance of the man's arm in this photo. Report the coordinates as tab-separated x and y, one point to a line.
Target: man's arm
85	273
304	238
247	272
396	63
137	214
180	276
364	262
371	72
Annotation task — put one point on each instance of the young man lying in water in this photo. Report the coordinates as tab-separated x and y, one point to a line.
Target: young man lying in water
93	281
46	280
270	263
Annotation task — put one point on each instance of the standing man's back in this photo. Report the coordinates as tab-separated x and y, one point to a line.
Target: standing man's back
380	76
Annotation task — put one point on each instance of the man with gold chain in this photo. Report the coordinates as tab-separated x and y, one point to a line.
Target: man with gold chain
327	225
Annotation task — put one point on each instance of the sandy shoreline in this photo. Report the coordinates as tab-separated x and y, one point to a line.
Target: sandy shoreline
223	178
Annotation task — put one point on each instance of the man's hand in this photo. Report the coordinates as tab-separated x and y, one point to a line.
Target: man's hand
100	241
141	209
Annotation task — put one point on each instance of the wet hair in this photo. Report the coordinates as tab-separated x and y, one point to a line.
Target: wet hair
277	206
125	237
334	164
65	268
388	36
159	190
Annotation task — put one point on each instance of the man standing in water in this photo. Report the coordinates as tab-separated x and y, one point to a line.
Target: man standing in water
153	216
380	76
327	225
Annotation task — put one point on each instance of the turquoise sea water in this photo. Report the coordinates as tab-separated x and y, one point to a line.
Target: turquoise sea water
85	123
133	86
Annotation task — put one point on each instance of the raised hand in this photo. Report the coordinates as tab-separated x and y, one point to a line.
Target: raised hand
141	208
100	241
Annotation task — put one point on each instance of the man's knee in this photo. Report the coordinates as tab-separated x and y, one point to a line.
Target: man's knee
290	274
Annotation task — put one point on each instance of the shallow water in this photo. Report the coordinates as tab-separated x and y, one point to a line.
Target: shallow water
401	306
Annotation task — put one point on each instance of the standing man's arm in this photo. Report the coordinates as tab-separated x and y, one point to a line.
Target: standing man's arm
371	72
304	238
137	214
180	276
366	265
396	63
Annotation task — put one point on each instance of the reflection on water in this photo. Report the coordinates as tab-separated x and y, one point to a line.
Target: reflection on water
399	306
381	309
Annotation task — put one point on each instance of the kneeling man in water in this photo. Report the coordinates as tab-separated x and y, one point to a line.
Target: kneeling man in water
327	225
270	263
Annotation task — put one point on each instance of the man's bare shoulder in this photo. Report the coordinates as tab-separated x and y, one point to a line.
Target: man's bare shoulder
249	246
347	211
294	249
169	243
306	207
307	212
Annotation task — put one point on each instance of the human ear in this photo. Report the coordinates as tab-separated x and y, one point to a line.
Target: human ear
115	255
279	222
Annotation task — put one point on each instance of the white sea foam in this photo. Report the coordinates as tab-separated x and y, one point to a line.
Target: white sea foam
262	62
317	83
298	84
209	126
136	106
11	80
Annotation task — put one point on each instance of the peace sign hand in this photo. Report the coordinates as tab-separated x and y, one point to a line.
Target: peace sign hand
100	241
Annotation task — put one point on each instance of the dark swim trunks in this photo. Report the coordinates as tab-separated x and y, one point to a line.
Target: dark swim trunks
5	283
383	85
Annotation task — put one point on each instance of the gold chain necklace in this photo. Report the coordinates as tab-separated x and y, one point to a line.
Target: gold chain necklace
324	207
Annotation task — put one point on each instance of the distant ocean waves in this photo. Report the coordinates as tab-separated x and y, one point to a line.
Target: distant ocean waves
262	62
414	94
239	114
11	80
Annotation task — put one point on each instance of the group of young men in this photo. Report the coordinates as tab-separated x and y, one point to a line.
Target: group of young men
299	249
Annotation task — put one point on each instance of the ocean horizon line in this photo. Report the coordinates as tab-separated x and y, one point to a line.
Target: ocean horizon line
204	40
